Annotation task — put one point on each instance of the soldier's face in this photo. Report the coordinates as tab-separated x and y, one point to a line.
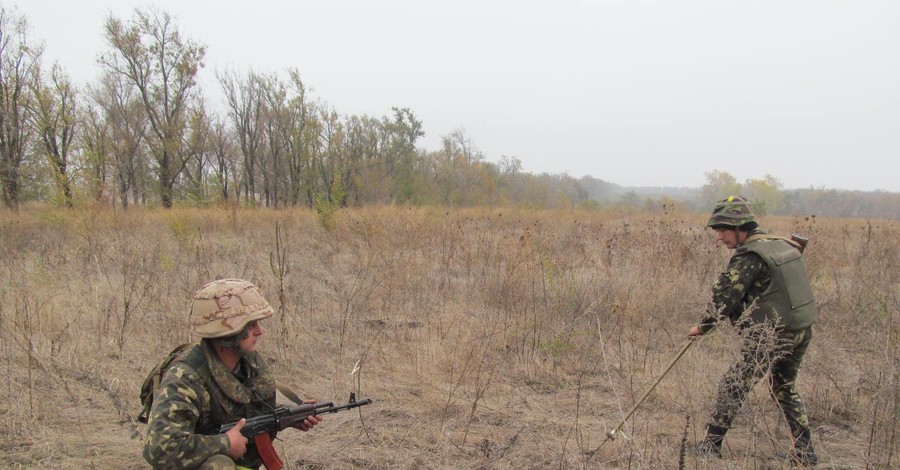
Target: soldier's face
251	342
729	237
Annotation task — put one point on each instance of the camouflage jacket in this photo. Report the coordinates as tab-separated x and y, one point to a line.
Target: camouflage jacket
745	279
197	395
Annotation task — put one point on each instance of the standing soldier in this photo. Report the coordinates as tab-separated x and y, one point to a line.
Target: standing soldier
220	380
765	293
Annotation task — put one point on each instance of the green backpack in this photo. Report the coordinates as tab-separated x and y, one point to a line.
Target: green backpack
154	378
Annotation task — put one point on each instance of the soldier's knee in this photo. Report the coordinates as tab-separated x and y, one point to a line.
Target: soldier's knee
217	462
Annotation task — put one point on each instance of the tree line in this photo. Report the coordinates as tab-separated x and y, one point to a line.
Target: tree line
768	196
143	134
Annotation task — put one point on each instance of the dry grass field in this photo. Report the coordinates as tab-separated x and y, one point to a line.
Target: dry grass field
489	338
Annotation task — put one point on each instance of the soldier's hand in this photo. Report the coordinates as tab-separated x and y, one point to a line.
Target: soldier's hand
237	443
311	421
695	331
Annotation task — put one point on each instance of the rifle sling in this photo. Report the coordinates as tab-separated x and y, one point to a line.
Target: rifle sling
287	392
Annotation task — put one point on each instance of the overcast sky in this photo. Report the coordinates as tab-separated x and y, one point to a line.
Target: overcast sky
637	93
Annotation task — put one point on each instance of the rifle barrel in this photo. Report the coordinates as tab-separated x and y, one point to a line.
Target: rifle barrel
353	404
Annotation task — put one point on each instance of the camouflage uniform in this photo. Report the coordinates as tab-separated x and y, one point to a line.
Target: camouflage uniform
763	345
196	396
765	292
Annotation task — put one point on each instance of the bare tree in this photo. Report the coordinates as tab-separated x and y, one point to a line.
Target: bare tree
55	119
294	123
18	58
198	145
245	107
225	158
459	143
286	115
364	146
401	155
95	144
330	160
287	122
152	55
274	96
127	126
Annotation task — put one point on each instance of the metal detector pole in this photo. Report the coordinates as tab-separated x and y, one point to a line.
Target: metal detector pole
612	434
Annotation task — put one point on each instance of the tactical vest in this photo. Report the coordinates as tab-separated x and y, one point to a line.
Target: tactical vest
789	300
256	394
222	407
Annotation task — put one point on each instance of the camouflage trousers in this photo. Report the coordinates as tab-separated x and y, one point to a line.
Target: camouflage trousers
762	350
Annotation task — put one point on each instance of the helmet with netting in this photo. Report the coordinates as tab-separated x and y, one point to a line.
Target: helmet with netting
224	307
733	211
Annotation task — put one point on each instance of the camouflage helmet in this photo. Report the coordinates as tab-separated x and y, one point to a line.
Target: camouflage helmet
224	307
733	211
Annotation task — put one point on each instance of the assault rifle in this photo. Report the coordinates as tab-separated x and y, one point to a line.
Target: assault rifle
261	428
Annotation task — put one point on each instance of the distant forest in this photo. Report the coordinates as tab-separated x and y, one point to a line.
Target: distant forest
144	135
768	196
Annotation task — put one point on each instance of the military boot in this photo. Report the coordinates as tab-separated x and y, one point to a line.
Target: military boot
711	445
803	453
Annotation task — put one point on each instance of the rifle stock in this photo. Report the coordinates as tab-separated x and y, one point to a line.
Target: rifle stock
800	240
267	451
